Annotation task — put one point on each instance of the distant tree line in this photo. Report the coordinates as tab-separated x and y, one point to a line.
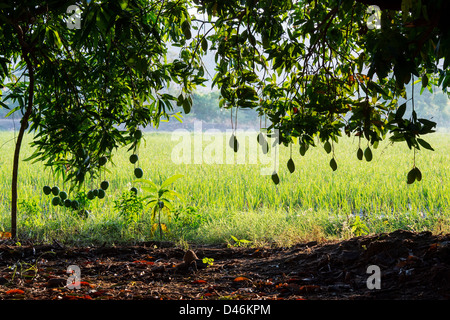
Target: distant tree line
205	107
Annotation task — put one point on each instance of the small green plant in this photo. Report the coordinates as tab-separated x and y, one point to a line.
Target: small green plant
26	270
208	261
188	217
129	206
30	206
359	228
160	199
240	242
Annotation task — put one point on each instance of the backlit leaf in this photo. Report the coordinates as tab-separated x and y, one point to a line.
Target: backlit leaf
425	144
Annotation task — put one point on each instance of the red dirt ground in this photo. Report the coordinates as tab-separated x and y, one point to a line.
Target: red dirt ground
412	265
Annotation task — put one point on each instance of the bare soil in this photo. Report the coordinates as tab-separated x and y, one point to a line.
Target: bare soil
412	266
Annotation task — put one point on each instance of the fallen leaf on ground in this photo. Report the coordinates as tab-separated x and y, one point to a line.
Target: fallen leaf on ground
86	284
5	235
144	262
309	288
198	281
76	297
15	291
239	279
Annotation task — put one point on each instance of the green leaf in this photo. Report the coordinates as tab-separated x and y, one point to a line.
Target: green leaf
186	28
263	142
400	112
171	180
424	81
146	181
259	138
12	111
57	38
173	194
123	4
425	144
180	100
427	122
204	44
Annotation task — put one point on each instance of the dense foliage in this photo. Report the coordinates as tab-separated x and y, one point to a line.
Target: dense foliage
76	86
319	68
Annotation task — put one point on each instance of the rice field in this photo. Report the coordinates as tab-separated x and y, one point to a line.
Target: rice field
232	200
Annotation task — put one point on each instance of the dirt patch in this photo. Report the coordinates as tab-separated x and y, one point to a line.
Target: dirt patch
412	266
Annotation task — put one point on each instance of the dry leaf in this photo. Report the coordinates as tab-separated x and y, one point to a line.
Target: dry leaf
309	288
144	262
86	284
198	281
239	279
5	235
15	291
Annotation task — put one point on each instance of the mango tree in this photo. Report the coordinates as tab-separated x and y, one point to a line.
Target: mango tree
86	91
320	69
313	69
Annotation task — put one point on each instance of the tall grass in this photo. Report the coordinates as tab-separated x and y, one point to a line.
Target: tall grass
224	200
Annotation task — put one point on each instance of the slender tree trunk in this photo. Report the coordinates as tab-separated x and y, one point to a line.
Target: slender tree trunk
23	127
159	223
15	172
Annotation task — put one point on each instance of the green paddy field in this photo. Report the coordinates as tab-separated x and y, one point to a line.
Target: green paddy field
226	201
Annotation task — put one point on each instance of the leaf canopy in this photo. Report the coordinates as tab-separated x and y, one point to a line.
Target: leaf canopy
313	68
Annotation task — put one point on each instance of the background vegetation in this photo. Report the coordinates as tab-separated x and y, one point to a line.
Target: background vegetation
226	201
205	107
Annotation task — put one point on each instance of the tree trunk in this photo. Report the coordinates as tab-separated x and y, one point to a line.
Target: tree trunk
15	172
23	127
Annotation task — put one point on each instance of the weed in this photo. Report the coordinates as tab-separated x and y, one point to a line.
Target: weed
208	261
358	227
130	207
188	217
240	242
